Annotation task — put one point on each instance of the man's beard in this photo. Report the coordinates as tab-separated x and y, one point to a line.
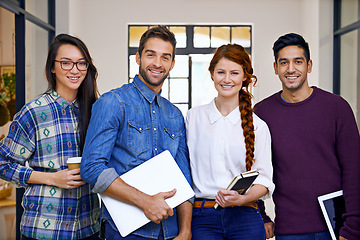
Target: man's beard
142	73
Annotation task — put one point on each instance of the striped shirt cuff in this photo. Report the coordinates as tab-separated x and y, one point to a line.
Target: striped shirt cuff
104	180
24	176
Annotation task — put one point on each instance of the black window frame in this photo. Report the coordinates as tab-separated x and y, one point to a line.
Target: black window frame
338	32
189	49
21	16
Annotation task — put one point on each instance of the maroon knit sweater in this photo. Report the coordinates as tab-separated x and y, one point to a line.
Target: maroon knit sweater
316	150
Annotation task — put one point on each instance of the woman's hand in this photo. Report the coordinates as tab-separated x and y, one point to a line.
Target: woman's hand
226	198
67	179
64	179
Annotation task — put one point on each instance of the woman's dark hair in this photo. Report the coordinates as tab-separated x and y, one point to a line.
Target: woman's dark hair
159	31
237	54
87	93
291	39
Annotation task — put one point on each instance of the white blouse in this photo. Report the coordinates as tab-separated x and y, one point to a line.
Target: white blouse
217	150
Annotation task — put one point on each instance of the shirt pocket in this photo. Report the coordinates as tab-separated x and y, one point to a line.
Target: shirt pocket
172	139
138	136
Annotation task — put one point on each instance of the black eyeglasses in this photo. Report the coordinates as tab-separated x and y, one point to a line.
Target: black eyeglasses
68	65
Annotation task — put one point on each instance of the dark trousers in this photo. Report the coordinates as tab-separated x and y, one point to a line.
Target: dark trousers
111	234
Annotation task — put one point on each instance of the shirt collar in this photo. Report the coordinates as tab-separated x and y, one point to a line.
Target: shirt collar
214	114
61	101
148	94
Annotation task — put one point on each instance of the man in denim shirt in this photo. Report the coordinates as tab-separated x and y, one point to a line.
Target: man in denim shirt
130	125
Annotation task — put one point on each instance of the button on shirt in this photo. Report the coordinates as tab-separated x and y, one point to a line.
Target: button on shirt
44	134
217	150
128	126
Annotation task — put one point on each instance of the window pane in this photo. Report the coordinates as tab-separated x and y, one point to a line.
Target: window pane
183	108
165	89
241	35
176	88
202	37
180	35
220	36
135	35
38	8
134	67
349	12
350	79
181	67
36	53
202	89
179	90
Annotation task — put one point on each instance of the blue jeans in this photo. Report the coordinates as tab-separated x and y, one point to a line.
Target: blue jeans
305	236
227	223
111	234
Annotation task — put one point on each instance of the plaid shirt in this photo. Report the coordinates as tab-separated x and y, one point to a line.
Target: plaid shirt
44	135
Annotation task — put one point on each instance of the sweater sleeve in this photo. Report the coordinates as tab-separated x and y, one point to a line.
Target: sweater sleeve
264	216
348	151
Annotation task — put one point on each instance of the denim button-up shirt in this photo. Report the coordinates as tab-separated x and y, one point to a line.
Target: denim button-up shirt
128	126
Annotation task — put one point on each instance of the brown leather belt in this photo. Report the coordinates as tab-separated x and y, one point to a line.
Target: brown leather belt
211	203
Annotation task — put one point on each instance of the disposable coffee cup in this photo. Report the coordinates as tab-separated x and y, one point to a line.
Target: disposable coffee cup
74	163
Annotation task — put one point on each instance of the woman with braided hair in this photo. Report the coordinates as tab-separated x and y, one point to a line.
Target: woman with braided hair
226	138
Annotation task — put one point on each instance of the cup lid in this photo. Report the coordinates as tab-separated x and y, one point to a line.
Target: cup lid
74	160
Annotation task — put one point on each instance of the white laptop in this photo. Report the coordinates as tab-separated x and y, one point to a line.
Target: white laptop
328	203
159	174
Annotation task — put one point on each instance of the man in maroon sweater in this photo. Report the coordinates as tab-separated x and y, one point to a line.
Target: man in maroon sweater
316	148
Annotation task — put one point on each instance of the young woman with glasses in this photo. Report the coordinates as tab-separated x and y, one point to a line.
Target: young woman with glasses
43	135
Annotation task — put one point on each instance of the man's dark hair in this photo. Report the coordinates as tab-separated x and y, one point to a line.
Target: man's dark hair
159	31
291	39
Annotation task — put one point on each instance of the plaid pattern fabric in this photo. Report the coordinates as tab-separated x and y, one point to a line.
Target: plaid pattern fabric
42	137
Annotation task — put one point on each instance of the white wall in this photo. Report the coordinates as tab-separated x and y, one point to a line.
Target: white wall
325	44
103	27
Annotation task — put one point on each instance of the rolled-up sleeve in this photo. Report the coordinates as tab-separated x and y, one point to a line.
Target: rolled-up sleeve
17	148
100	140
